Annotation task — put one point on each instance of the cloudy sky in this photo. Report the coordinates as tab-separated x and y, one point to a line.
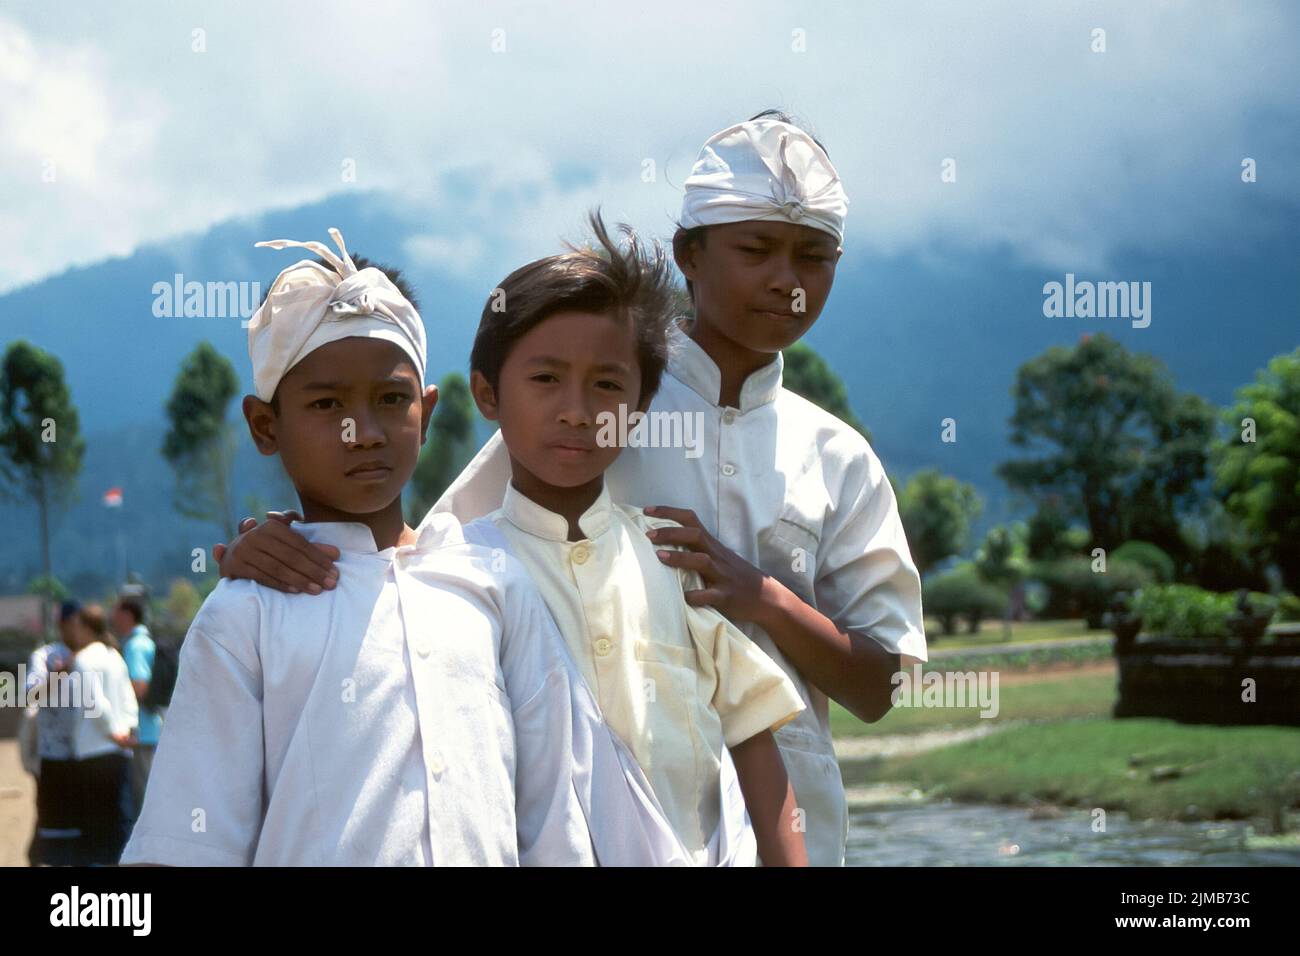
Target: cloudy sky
126	124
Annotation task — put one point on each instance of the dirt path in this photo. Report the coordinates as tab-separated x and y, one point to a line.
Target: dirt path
17	806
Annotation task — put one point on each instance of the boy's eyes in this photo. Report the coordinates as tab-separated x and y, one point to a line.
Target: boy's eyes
389	398
547	377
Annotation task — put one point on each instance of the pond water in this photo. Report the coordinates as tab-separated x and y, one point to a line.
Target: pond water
945	833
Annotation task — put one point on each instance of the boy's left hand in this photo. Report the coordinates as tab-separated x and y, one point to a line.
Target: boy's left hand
731	584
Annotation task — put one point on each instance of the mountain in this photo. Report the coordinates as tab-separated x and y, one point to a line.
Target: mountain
917	338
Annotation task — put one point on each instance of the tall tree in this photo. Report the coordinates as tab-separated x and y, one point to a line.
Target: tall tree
448	448
1112	437
41	448
806	373
200	443
1257	468
937	512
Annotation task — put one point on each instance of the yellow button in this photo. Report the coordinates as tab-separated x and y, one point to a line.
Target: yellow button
580	555
603	646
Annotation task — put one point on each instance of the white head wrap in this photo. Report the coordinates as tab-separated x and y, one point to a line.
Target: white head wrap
310	305
769	170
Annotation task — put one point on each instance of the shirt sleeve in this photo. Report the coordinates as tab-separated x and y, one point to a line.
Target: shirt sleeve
139	659
866	581
481	488
204	802
753	693
38	668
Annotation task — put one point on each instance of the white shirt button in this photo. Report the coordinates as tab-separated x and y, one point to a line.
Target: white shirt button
603	646
728	416
580	554
728	469
436	766
423	646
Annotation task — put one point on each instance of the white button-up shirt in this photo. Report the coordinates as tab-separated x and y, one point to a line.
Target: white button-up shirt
420	713
673	681
108	704
797	493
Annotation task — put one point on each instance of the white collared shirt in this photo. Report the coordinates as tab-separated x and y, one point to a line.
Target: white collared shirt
419	713
797	493
108	704
673	681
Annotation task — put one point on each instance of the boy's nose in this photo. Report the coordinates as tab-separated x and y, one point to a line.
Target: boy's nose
784	278
576	412
367	431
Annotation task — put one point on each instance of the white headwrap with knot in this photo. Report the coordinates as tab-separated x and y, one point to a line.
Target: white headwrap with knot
764	169
310	305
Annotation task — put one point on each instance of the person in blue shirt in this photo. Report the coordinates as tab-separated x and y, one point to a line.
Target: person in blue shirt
138	649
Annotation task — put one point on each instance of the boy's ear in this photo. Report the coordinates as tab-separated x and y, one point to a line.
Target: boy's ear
485	397
429	401
261	420
684	254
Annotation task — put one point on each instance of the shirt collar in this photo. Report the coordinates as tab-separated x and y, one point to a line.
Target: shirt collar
692	366
528	516
441	529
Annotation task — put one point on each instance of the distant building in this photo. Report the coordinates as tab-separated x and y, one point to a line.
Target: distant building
21	612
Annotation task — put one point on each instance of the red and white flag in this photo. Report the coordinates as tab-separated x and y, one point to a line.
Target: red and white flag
113	498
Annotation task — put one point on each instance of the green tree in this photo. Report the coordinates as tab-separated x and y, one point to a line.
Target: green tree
1112	437
41	448
200	443
937	511
806	373
1003	557
447	449
1257	469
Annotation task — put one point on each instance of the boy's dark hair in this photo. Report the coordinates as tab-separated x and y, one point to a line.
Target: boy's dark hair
695	235
133	606
633	284
395	276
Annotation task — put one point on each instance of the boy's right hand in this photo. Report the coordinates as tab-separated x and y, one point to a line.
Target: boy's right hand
278	557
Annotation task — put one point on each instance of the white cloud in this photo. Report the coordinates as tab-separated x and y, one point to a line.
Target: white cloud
1063	156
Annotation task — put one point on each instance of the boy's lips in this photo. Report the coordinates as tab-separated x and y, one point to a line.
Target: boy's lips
571	449
369	471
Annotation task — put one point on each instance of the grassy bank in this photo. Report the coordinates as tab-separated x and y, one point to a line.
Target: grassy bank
1064	748
1059	696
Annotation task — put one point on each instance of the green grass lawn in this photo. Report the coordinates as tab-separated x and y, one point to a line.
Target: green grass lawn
1074	753
1223	772
991	633
1056	698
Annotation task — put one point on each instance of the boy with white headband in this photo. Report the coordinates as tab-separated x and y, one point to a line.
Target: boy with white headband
787	513
425	711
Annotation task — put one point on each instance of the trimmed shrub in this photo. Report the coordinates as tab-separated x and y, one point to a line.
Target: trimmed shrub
1184	612
1075	590
962	593
1146	555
